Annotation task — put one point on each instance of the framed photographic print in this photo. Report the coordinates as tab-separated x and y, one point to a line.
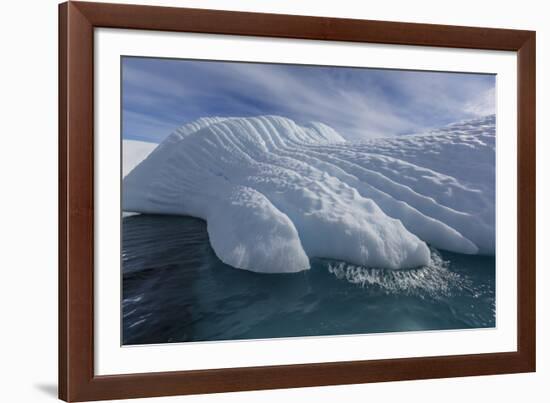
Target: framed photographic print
255	201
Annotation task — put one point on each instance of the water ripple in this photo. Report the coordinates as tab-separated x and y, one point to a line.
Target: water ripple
175	289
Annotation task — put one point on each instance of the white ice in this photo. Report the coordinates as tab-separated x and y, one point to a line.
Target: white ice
275	194
134	152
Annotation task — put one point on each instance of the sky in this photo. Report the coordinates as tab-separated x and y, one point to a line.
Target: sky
160	95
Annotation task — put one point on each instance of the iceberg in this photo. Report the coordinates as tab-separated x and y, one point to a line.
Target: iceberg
275	194
134	152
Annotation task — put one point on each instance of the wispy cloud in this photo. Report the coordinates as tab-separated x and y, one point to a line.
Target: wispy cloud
484	105
161	94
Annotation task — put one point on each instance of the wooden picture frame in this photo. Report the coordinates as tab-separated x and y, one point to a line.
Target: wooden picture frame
77	21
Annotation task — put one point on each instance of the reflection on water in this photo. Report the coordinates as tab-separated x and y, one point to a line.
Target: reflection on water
175	289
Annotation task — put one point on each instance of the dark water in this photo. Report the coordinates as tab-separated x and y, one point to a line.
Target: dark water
175	289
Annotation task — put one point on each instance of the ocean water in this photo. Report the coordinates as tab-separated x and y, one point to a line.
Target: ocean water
175	289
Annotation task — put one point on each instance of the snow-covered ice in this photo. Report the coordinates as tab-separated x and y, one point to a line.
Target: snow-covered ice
274	193
134	152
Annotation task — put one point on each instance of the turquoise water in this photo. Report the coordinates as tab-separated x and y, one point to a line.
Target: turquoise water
175	289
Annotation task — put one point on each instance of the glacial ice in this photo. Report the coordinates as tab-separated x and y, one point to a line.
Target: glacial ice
134	152
274	193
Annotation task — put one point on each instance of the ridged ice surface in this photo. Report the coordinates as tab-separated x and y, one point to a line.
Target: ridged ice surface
275	194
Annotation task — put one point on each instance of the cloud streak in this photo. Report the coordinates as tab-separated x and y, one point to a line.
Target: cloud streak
162	94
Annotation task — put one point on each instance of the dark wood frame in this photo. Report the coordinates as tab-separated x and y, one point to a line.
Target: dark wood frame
77	21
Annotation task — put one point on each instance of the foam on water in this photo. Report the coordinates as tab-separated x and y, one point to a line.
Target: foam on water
434	280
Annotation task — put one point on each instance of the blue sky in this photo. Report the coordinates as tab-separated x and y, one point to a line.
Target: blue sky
160	95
